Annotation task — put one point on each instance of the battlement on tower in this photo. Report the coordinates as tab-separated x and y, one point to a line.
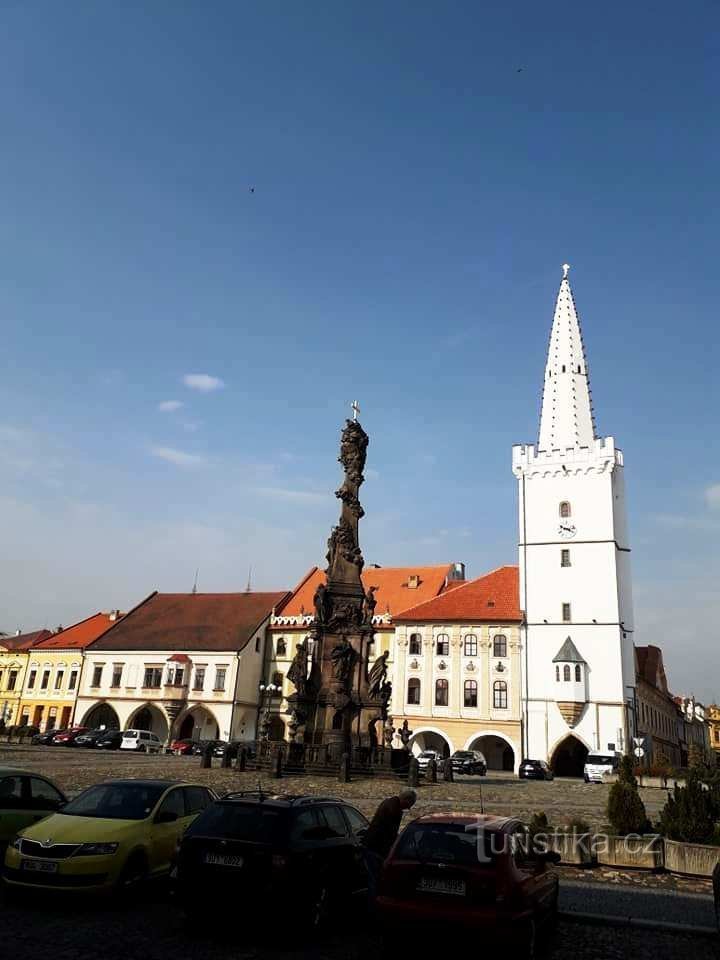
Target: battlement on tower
602	455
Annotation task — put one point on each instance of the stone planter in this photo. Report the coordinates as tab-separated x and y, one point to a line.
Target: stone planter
573	847
636	852
609	778
695	859
651	781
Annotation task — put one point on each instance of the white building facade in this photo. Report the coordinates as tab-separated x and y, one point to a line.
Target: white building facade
575	586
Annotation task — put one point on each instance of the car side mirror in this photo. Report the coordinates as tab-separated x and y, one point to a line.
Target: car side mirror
166	816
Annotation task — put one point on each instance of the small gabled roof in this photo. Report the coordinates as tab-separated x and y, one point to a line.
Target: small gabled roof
24	641
492	598
82	634
568	653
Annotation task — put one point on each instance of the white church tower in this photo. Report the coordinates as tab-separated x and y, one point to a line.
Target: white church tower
575	587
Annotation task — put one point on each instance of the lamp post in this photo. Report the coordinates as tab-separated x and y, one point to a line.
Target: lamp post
267	692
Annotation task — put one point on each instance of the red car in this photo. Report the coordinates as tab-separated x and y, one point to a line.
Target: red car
460	871
66	737
182	747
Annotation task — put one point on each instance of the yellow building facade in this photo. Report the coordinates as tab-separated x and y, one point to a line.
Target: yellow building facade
14	658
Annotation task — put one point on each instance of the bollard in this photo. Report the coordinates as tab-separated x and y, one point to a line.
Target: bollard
448	770
432	772
413	773
344	769
277	766
226	759
241	762
206	757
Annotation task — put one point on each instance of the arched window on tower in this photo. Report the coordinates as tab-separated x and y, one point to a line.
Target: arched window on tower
557	672
415	644
413	691
578	673
566	673
565	510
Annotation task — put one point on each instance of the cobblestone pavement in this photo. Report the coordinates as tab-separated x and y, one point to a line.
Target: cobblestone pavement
670	906
498	793
156	929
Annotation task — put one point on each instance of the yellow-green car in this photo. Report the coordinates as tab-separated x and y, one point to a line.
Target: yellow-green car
111	836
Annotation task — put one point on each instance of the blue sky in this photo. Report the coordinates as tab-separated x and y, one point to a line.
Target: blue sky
420	172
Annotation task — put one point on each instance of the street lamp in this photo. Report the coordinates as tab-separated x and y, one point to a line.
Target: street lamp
267	692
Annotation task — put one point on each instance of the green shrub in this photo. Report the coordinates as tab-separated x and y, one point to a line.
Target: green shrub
690	813
576	825
625	809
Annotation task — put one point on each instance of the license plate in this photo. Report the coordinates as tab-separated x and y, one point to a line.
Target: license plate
221	860
39	866
436	885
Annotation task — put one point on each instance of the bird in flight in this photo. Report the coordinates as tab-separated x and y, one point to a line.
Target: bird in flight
252	189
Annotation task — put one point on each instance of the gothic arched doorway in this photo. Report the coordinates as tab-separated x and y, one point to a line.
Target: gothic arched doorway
102	715
149	718
199	724
568	759
497	752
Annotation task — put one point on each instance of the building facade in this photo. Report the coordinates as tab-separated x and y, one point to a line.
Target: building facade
657	718
180	665
14	655
694	729
52	678
713	721
396	589
457	670
574	558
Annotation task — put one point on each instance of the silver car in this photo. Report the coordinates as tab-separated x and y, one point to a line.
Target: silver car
426	756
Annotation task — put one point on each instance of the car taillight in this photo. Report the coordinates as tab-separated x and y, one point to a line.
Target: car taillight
279	861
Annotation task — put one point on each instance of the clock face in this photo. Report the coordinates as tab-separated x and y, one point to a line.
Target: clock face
567	530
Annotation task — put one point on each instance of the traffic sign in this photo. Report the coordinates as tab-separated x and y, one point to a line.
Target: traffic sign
638	741
639	752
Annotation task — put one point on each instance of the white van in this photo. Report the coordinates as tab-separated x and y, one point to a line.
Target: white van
142	741
597	764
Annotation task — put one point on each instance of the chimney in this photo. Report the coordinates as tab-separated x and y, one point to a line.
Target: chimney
18	633
413	581
113	615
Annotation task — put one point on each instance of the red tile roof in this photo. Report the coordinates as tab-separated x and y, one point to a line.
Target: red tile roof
82	634
494	597
650	667
24	641
191	621
393	593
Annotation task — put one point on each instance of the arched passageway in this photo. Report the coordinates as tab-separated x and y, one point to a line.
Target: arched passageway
497	752
149	718
568	759
430	740
198	724
101	715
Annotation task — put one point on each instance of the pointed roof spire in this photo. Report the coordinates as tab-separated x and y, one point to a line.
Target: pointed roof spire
567	418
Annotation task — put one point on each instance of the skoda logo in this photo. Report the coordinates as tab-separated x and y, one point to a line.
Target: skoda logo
47	843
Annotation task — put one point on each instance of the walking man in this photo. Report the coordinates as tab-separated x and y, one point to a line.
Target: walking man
382	833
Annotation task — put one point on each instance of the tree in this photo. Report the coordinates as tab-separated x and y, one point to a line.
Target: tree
690	813
625	809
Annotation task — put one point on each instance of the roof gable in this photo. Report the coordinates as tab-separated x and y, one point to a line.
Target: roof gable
568	653
82	634
492	598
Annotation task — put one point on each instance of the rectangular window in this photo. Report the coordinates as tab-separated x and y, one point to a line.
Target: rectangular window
153	677
199	678
470	645
471	696
565	557
413	691
72	683
566	613
442	645
441	693
12	679
31	679
59	679
97	676
45	680
116	675
220	674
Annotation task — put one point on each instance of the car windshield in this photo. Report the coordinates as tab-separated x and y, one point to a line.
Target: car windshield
464	755
253	823
116	801
600	759
445	843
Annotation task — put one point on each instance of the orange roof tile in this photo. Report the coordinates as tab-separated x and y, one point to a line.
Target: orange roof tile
493	597
82	634
23	641
393	594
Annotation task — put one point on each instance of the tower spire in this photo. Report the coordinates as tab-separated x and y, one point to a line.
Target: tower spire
566	419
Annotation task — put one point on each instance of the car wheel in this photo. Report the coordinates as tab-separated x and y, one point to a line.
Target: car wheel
141	748
133	874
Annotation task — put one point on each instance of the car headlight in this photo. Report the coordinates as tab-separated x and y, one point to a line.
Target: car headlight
96	849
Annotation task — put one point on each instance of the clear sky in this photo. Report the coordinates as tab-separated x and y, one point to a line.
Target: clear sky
296	204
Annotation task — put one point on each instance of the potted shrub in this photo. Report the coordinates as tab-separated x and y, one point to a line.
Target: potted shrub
688	822
630	844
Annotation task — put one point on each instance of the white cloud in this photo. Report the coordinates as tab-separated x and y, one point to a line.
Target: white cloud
712	496
180	458
203	382
170	406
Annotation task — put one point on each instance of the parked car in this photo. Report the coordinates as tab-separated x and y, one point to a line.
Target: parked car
142	741
534	770
258	849
469	762
90	738
45	739
200	745
471	872
182	747
426	756
235	746
112	836
66	738
25	798
596	764
110	740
